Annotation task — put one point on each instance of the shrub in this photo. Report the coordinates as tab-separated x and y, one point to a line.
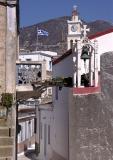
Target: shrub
7	100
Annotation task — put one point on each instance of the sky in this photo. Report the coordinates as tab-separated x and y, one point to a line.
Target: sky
35	11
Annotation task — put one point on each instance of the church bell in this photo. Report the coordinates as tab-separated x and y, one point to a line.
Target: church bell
85	53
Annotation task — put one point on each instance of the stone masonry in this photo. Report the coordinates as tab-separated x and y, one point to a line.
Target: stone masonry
2	48
91	119
8	51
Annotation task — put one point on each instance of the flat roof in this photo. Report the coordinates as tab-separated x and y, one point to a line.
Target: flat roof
45	53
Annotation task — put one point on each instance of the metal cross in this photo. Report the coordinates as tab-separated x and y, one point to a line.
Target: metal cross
85	30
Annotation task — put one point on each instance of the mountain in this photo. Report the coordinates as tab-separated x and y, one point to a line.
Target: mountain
57	29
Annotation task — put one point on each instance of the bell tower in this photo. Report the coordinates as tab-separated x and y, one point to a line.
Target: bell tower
85	56
74	28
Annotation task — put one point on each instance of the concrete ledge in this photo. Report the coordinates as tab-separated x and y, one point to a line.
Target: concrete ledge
86	90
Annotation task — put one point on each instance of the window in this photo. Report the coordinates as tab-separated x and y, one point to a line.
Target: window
50	91
50	64
28	59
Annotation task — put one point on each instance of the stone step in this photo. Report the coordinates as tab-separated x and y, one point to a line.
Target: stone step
6	131
3	122
5	158
5	141
6	151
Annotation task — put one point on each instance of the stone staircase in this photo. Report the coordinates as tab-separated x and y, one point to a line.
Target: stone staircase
6	141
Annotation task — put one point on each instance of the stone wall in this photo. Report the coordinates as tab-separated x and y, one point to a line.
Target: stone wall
2	48
56	156
91	119
8	50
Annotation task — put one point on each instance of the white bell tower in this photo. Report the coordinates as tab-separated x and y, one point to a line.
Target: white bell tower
85	55
74	28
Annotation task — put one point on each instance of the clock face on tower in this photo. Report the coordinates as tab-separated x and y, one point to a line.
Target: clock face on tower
73	28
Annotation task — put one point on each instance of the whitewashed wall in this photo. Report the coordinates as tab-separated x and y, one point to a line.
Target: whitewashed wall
46	120
64	67
27	130
60	124
105	44
60	102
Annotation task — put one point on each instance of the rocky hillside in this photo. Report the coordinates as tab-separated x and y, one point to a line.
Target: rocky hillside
57	29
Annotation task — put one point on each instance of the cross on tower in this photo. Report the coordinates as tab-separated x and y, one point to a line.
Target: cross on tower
85	30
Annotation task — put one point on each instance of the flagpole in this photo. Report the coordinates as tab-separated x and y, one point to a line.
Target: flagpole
40	32
37	40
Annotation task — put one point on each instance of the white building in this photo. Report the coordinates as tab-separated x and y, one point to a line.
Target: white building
104	40
26	119
42	58
45	121
31	66
63	133
46	56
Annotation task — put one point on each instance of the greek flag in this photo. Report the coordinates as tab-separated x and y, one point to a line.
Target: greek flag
41	32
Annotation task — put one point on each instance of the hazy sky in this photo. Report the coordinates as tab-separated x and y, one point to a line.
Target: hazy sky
35	11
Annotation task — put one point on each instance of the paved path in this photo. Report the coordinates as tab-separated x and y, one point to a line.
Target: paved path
23	158
29	155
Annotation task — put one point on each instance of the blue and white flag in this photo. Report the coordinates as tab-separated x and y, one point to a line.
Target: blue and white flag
41	32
